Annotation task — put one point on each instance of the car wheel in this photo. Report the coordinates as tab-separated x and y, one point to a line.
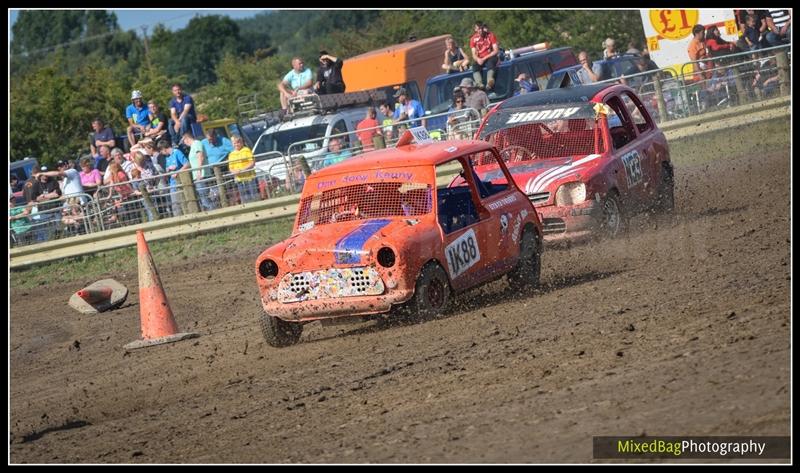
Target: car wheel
665	199
278	332
613	223
431	293
525	276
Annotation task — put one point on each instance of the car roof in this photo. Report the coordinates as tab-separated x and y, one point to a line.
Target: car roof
583	93
504	63
427	154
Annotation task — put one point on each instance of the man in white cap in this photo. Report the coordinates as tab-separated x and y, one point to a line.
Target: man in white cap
475	98
137	115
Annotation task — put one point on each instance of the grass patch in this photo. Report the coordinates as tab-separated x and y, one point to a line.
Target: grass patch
124	260
738	141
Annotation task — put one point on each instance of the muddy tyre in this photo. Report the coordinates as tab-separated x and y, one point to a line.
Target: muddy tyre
614	221
431	294
525	276
279	333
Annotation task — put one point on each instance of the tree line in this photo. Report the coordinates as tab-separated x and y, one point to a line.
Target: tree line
69	66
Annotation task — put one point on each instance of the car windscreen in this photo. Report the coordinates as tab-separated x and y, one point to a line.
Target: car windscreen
439	94
551	131
282	139
364	201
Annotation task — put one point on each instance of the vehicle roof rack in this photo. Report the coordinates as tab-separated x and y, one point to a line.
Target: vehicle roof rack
305	105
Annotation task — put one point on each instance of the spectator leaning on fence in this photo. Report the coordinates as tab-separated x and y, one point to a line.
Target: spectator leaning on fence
589	72
409	109
242	166
182	113
216	148
72	187
91	179
176	161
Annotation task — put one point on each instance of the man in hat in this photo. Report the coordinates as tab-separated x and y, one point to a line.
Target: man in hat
137	115
475	98
329	75
70	180
408	109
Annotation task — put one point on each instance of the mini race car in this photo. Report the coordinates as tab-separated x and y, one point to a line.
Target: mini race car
588	158
375	234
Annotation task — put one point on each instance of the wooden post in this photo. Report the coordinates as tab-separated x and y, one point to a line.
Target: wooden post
189	195
782	62
148	202
223	196
741	92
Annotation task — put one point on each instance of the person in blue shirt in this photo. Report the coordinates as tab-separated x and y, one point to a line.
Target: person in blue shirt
176	161
182	112
216	149
408	109
335	154
137	115
296	82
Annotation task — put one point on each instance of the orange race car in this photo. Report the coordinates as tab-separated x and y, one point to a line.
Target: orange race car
377	232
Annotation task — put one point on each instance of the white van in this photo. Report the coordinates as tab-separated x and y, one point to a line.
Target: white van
314	130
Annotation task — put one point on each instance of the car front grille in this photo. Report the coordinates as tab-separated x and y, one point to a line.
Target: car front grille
539	198
330	283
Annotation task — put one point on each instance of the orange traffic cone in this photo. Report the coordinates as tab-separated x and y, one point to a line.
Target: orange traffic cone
100	296
158	324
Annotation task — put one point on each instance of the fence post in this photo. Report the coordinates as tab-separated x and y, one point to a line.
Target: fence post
662	106
223	196
148	202
741	93
189	195
783	71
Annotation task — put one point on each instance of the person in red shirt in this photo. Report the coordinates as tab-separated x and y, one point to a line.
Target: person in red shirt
485	51
367	129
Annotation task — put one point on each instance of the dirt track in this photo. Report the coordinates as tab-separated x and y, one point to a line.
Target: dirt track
681	328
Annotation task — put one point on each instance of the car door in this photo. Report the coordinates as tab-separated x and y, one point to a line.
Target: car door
629	150
646	142
466	226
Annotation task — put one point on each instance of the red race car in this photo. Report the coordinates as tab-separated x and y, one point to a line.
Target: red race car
588	157
380	231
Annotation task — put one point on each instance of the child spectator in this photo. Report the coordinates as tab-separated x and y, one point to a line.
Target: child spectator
485	51
367	129
454	58
136	113
19	221
329	75
752	35
157	126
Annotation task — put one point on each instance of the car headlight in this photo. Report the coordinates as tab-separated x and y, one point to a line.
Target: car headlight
571	193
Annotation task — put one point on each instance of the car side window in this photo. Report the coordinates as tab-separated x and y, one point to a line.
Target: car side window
456	204
486	188
638	113
541	73
619	124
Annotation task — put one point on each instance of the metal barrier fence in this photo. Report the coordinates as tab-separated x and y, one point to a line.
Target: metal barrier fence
712	83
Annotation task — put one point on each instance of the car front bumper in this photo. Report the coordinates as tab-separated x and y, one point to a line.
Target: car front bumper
573	223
